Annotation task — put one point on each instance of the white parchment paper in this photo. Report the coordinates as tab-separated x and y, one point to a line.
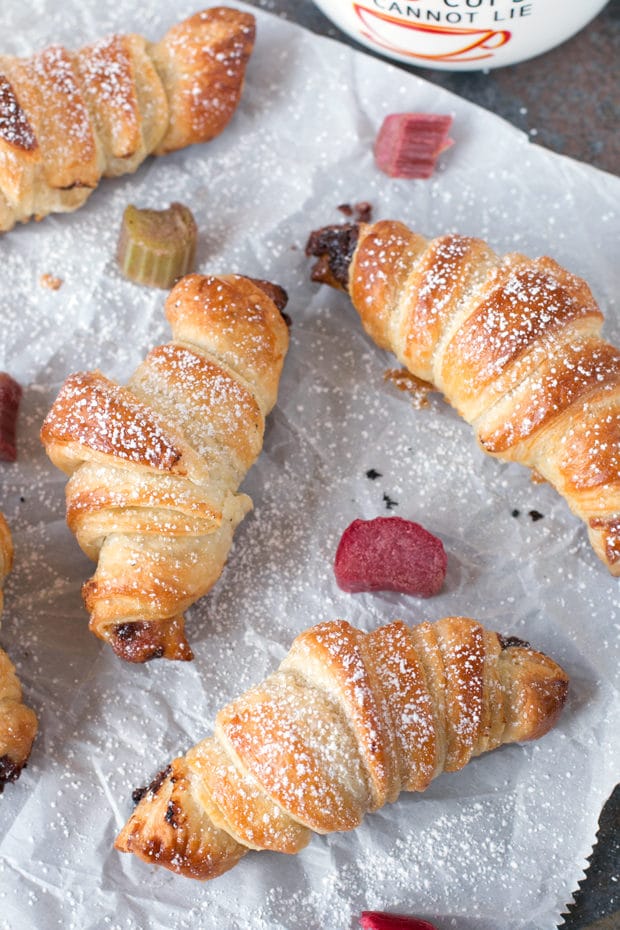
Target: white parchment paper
501	844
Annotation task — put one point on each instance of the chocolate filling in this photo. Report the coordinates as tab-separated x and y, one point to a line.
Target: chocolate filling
133	642
334	247
138	793
507	641
273	291
173	815
9	770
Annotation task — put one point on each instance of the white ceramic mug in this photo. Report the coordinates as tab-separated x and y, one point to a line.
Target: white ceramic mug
461	35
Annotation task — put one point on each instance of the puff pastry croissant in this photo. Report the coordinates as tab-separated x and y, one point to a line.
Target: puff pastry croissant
513	343
348	721
18	724
155	466
67	119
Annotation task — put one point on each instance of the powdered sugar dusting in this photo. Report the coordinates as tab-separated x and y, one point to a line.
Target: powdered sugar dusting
590	450
568	374
411	708
54	69
463	663
105	69
472	848
291	741
104	109
524	307
217	413
95	413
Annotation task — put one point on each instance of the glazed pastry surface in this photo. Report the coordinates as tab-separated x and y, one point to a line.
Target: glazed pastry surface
18	724
155	466
67	119
347	722
513	343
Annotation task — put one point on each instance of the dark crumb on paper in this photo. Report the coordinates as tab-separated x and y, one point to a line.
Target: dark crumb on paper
362	211
51	282
373	474
22	500
389	503
533	514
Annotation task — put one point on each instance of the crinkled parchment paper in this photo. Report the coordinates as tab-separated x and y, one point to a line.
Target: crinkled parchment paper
501	844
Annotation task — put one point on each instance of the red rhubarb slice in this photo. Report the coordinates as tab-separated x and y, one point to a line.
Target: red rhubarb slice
10	396
376	920
390	554
408	144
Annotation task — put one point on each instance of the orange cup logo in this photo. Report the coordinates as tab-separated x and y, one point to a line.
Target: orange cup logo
428	40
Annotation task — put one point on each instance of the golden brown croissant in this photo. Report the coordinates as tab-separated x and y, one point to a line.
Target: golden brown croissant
18	724
513	343
68	119
348	721
155	466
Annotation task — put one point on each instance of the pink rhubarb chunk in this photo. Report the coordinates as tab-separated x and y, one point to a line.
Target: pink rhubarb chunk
390	554
10	396
408	144
376	920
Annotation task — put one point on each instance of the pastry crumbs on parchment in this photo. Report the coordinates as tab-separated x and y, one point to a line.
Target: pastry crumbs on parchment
50	281
405	381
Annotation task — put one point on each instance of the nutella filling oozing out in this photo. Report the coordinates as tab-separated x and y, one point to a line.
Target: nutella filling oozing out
334	247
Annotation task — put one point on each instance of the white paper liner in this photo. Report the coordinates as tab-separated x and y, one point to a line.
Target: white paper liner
502	843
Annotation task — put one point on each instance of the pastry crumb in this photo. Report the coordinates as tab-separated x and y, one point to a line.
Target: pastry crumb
51	282
405	381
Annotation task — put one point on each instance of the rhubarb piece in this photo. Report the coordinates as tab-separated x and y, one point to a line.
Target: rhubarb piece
377	920
157	247
390	554
10	396
408	144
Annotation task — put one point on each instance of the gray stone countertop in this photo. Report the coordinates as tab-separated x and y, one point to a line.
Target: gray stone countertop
569	99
